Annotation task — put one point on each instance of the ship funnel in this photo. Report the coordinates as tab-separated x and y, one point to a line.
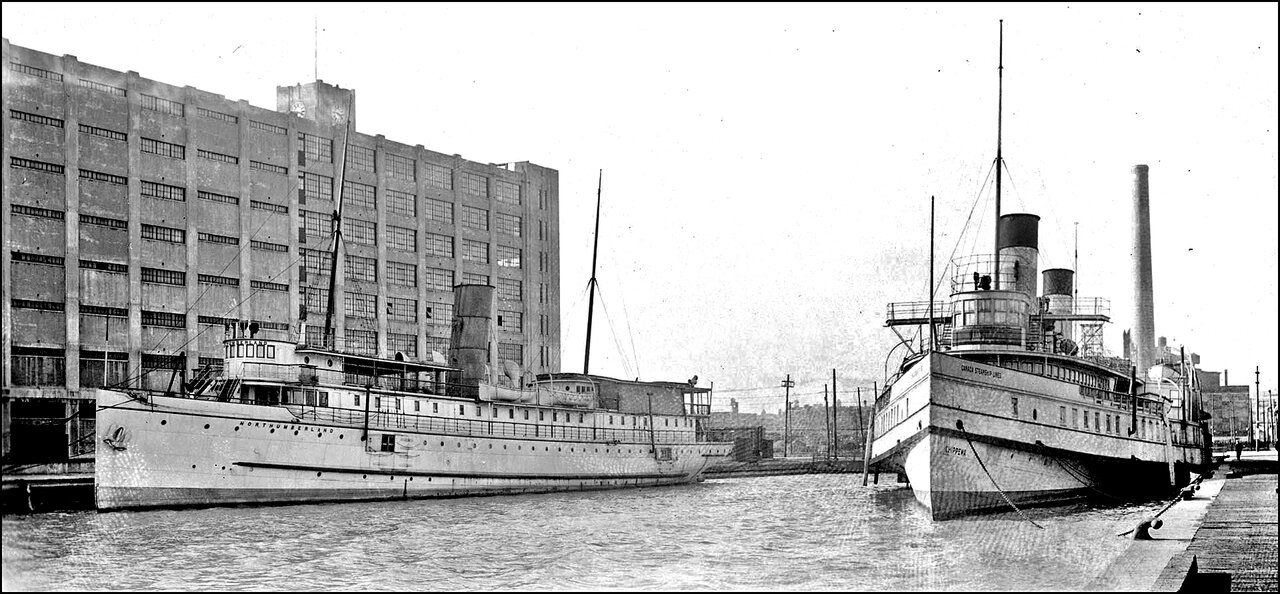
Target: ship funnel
1018	241
1144	324
1057	291
470	343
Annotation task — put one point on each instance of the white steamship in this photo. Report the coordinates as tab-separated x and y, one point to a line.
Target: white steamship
1012	400
284	423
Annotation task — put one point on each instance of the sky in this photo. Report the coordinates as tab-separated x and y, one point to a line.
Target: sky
768	168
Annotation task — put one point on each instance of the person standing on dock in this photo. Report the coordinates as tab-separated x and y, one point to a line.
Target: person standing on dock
1239	449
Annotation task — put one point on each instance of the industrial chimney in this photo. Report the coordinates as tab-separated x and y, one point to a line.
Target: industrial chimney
1144	324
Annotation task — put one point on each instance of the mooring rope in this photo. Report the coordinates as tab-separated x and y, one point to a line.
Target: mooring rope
1073	475
1168	505
960	426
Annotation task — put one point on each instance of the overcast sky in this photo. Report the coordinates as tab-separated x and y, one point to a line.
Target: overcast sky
767	168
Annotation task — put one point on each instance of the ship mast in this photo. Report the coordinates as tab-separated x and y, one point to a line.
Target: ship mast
999	158
591	284
328	338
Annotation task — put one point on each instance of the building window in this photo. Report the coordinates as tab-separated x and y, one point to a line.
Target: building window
213	115
268	246
472	278
163	191
118	180
33	71
358	231
164	277
360	305
358	194
401	238
111	267
400	167
439	279
316	224
475	251
168	234
361	269
163	319
439	211
475	218
439	245
164	149
509	257
99	369
269	207
475	185
36	165
509	224
510	289
33	211
506	192
165	106
210	279
511	320
268	286
269	128
38	259
401	204
360	158
35	118
38	367
212	156
103	132
362	342
212	238
316	149
400	273
438	176
315	299
316	262
38	305
403	343
441	314
402	309
216	197
268	167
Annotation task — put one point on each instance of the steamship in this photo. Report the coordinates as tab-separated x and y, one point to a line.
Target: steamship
286	423
1013	402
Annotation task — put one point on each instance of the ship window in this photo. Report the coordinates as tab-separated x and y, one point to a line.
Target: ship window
1034	415
1097	422
495	412
462	410
357	400
398	404
610	419
1062	416
377	403
417	406
262	351
1108	423
324	399
526	415
580	417
271	351
1014	401
310	397
666	422
541	416
1075	418
388	442
477	410
511	413
1086	419
239	349
555	416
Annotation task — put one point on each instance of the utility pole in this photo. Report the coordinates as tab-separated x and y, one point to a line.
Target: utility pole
786	420
1257	383
826	414
835	417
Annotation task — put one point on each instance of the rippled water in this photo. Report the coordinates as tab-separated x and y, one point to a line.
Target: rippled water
801	532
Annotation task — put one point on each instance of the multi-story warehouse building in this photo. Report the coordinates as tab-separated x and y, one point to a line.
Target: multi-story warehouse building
141	218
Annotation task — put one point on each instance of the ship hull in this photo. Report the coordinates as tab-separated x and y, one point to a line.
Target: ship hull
176	452
952	430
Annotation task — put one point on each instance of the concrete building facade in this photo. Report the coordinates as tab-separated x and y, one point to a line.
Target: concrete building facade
1229	406
140	219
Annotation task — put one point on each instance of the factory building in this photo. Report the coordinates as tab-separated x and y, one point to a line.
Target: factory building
142	220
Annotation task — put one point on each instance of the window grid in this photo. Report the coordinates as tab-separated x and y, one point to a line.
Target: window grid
268	167
475	218
439	211
269	207
211	279
163	105
103	132
164	149
33	71
511	352
98	310
104	266
360	158
438	176
472	278
33	211
439	245
268	286
268	246
38	259
439	279
317	224
403	343
362	342
475	251
216	197
217	115
108	89
214	238
440	314
475	185
358	231
161	276
36	165
315	299
400	273
119	180
401	167
316	186
41	305
510	289
212	156
316	262
401	204
316	148
159	233
163	191
504	191
509	223
361	269
265	127
163	319
103	222
35	118
402	239
402	309
509	257
358	194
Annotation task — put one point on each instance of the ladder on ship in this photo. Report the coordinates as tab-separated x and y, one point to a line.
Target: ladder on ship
203	379
227	389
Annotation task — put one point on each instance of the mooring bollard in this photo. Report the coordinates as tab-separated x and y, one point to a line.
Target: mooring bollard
1142	532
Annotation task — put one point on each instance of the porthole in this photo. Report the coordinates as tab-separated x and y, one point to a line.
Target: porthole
206	425
442	444
306	360
193	465
339	436
364	476
272	431
491	446
459	444
317	474
329	362
237	427
295	432
163	422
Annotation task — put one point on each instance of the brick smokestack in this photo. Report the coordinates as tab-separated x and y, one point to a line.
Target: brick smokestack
1144	324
